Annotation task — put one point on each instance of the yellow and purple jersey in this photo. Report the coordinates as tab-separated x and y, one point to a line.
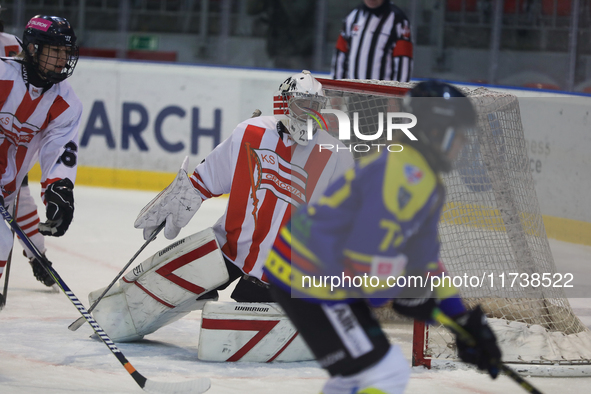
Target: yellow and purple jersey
376	224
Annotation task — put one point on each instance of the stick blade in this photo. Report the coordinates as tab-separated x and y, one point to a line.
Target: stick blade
77	324
195	386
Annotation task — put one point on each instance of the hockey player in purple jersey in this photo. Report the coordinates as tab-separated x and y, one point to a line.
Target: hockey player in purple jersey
378	223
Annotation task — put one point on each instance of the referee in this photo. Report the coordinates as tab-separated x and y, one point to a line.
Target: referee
374	43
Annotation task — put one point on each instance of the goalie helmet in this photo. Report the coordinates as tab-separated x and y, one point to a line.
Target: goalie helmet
43	30
443	114
299	96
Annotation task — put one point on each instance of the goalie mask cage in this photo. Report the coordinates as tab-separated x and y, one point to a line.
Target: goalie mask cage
491	225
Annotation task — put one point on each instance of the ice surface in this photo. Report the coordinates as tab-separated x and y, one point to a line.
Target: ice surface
38	354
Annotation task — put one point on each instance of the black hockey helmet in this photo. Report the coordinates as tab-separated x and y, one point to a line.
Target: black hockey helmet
443	113
55	31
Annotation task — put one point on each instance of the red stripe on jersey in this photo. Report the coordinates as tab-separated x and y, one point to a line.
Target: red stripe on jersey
5	89
26	107
21	152
314	167
288	195
294	171
301	188
11	50
197	182
48	182
265	217
58	106
239	201
342	44
356	267
297	260
403	48
282	247
287	216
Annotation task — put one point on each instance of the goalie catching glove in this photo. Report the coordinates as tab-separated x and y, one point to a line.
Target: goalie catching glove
59	200
176	205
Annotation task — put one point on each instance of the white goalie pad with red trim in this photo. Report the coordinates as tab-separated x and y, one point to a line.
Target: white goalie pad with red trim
162	289
253	332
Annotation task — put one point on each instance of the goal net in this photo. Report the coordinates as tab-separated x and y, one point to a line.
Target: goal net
491	230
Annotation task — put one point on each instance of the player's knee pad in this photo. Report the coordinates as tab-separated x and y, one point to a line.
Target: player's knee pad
389	376
162	289
249	331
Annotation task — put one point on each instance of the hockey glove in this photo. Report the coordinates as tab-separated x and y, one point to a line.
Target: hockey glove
483	351
176	205
416	308
59	200
41	273
416	302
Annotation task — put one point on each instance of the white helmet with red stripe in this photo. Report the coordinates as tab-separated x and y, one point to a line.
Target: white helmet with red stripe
299	96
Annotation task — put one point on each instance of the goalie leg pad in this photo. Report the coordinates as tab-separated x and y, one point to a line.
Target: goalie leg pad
162	289
252	332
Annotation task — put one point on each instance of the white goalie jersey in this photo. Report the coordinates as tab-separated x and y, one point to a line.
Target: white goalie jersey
266	175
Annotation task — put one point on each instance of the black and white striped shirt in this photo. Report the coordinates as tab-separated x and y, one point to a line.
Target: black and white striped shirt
374	44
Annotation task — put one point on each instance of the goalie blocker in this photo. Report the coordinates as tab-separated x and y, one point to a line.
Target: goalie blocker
162	289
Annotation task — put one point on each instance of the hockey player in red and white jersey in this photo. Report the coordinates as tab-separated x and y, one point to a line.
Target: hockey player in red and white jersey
40	116
26	213
269	166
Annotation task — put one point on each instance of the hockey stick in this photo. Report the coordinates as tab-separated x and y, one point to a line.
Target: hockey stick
195	386
80	321
9	260
454	327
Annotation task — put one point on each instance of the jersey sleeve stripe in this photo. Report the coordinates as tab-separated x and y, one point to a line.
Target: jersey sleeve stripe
200	186
5	89
342	44
403	48
26	107
57	108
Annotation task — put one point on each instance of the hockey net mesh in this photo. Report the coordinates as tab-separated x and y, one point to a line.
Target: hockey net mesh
491	227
